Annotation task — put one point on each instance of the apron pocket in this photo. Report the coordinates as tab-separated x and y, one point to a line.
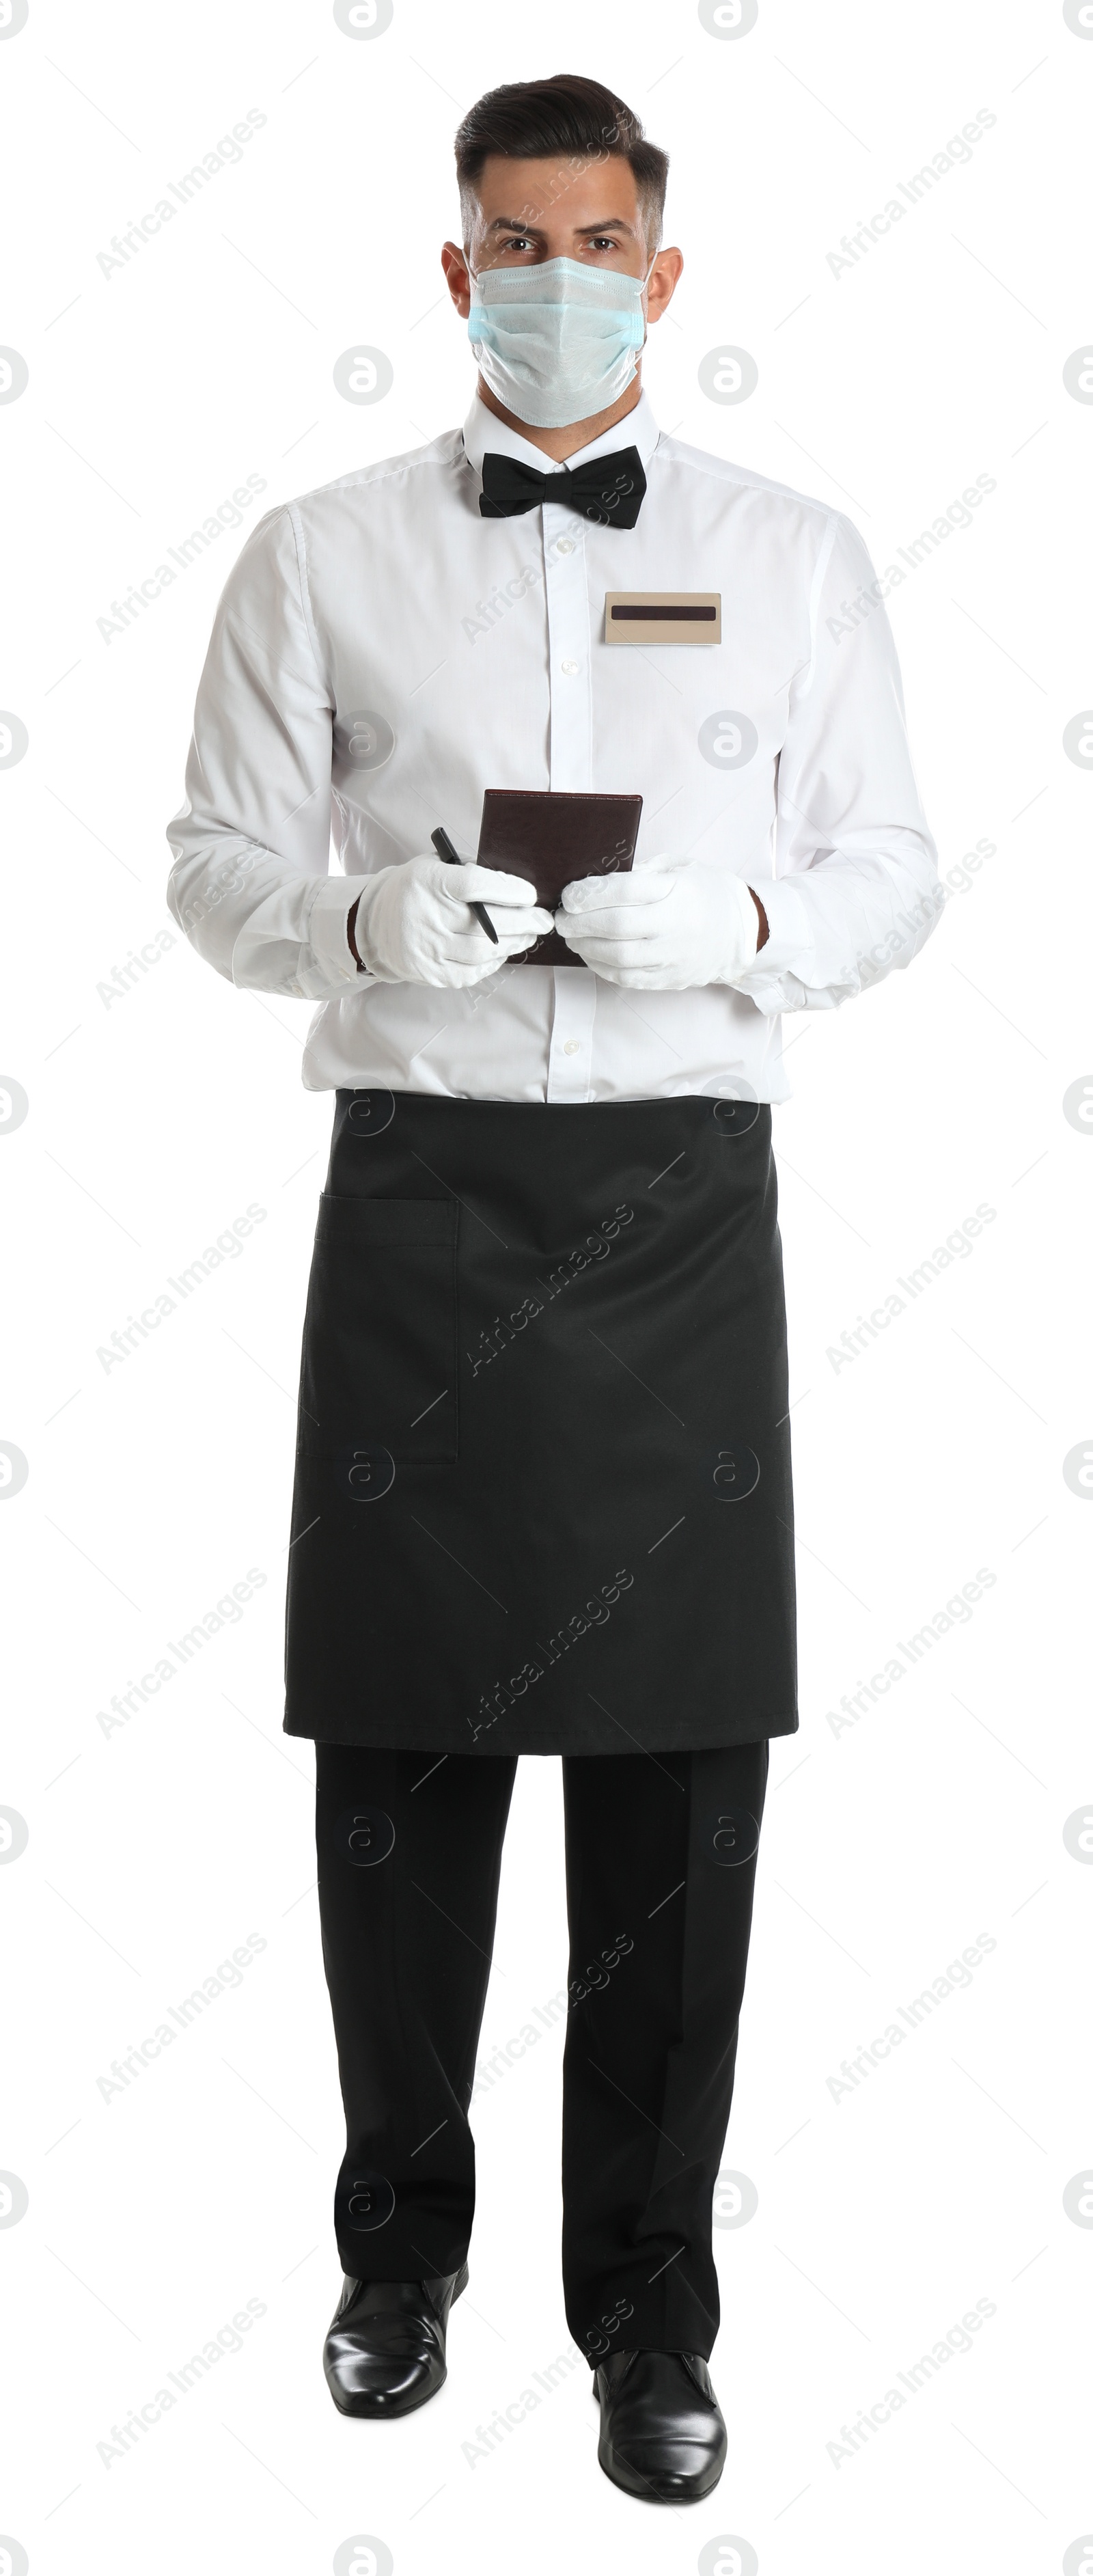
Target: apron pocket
379	1370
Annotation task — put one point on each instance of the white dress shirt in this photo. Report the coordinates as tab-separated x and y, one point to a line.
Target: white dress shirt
382	654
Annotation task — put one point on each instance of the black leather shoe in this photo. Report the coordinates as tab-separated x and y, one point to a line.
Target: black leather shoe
662	2432
384	2353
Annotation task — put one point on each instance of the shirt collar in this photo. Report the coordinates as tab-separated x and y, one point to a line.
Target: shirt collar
482	430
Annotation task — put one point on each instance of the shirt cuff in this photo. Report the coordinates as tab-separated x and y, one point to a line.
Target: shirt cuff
327	932
789	940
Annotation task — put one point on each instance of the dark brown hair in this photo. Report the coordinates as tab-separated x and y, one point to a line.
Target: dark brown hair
568	118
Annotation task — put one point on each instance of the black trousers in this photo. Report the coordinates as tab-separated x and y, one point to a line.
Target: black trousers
660	1863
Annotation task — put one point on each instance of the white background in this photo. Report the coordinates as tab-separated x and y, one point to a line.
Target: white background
153	1486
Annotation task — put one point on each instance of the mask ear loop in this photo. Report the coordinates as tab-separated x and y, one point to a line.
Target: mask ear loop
645	309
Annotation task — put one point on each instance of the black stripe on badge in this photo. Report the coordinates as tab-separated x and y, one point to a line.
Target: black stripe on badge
679	611
662	617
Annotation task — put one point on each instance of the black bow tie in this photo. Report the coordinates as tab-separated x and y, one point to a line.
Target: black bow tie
609	489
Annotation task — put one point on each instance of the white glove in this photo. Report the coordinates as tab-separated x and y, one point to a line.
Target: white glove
672	923
414	924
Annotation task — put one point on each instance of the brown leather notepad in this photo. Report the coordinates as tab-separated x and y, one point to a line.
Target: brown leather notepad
552	839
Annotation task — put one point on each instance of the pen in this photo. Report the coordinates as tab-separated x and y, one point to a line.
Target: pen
446	849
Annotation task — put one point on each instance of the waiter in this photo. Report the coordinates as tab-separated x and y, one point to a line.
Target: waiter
543	1499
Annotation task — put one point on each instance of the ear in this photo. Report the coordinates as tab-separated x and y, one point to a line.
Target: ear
454	265
666	274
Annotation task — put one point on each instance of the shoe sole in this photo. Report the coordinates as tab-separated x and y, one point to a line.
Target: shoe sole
369	2413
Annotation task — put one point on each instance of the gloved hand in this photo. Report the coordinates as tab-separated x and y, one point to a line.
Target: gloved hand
414	924
672	923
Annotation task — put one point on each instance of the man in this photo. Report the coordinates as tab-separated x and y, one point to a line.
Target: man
543	1498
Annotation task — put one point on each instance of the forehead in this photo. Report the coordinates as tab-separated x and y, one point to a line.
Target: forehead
566	191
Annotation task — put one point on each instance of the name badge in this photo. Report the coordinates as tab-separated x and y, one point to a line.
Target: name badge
662	617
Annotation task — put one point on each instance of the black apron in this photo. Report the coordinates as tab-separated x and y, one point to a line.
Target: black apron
543	1497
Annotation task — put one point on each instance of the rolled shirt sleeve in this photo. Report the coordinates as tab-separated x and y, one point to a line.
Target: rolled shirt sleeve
250	884
856	889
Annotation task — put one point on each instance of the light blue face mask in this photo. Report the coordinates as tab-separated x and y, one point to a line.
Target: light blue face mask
559	342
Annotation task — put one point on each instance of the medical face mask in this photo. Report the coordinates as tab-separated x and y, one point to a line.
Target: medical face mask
559	342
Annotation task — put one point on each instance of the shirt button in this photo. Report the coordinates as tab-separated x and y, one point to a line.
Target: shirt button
569	668
572	1046
564	546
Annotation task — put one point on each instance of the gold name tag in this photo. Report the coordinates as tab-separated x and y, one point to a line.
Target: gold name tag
662	617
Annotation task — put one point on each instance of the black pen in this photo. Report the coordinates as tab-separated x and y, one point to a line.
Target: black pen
446	849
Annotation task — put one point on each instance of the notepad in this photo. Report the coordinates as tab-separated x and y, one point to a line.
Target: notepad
552	839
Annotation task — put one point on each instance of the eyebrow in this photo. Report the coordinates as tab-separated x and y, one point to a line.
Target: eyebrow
516	224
